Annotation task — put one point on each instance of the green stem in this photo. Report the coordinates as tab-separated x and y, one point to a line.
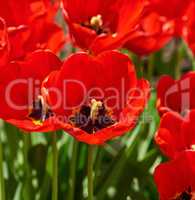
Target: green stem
90	172
193	64
73	170
2	186
55	167
189	54
28	183
178	58
151	61
98	162
191	57
140	69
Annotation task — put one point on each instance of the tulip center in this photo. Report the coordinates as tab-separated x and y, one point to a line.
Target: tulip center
39	111
186	195
92	117
96	24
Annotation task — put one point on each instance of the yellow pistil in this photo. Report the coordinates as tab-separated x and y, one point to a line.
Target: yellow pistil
95	106
193	147
96	21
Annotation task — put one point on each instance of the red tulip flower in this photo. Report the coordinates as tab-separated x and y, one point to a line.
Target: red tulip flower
176	133
101	25
20	92
172	9
178	96
96	98
30	26
190	27
154	32
176	179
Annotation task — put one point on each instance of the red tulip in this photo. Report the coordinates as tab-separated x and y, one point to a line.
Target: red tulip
101	25
154	32
31	26
176	133
177	95
190	28
20	92
175	12
176	179
171	9
96	98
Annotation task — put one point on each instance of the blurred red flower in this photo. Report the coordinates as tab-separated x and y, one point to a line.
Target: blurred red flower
178	96
30	26
190	27
20	92
154	32
101	25
176	179
101	96
171	9
176	133
183	17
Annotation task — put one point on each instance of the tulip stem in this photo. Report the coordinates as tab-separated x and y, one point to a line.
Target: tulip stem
90	172
193	64
28	175
73	170
178	58
151	61
2	186
55	167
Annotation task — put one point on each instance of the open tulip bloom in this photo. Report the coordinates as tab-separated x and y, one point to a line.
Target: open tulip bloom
20	92
96	98
101	25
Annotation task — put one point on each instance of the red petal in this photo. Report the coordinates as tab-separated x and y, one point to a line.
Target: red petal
153	33
169	136
176	95
164	84
29	126
176	176
4	43
173	9
93	77
24	80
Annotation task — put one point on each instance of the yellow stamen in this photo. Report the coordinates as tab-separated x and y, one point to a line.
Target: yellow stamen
95	106
96	21
193	147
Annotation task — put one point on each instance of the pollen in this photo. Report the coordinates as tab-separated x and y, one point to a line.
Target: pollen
95	106
92	117
96	21
193	147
